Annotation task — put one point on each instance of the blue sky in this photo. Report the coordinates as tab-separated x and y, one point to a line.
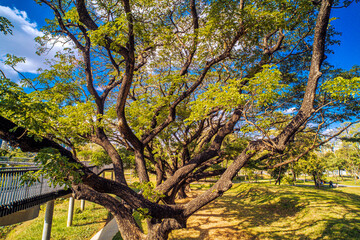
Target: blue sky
35	12
28	17
348	53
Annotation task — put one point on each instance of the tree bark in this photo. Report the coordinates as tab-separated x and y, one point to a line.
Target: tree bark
167	217
182	194
278	179
141	166
128	227
293	173
316	182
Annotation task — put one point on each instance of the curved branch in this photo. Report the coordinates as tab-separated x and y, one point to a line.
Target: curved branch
172	109
84	15
62	25
225	181
313	146
195	18
15	136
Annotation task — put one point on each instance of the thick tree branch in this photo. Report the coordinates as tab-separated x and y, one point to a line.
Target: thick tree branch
84	15
193	48
62	25
225	181
172	109
19	138
307	107
126	222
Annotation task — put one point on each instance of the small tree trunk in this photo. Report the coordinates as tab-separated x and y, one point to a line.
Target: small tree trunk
182	192
140	166
317	184
278	180
294	174
159	174
342	177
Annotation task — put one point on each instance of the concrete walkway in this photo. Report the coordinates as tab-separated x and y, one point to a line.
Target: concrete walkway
108	232
323	186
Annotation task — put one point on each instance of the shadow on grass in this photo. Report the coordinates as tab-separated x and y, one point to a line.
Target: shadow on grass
341	229
335	229
88	223
224	234
260	205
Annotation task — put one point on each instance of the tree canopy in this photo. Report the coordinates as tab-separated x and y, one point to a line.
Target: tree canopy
176	88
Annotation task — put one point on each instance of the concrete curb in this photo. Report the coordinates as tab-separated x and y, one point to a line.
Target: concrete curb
108	232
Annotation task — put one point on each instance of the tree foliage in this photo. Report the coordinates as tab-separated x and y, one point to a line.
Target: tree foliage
180	88
5	25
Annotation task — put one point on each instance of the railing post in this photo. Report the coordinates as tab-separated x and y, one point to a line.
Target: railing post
82	204
11	191
48	220
130	176
70	212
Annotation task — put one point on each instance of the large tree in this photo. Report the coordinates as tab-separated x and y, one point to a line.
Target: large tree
187	89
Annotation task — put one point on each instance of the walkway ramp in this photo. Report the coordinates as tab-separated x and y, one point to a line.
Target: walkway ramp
15	197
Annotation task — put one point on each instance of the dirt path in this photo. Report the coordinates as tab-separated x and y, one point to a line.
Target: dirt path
213	222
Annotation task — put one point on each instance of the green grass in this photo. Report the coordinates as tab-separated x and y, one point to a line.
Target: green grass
263	211
247	211
4	230
117	237
85	224
346	180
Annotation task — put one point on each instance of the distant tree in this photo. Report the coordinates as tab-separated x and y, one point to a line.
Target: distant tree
278	173
292	161
339	160
349	152
313	165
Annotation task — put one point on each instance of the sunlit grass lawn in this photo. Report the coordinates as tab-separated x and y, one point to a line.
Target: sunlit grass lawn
85	224
247	211
345	180
264	211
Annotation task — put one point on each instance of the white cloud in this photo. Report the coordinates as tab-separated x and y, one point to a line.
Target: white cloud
22	44
290	110
329	131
